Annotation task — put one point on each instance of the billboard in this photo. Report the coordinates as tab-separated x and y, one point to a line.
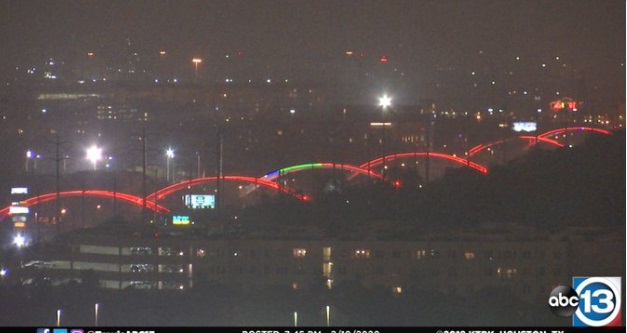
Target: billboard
19	190
525	126
180	220
200	201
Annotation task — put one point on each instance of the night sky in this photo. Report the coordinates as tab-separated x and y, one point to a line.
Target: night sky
409	29
416	35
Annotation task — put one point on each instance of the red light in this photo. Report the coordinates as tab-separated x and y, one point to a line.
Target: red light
383	59
455	159
396	183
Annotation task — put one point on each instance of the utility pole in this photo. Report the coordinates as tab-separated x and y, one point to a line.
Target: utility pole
57	159
143	138
57	184
219	165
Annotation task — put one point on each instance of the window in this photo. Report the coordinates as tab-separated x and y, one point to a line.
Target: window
507	273
299	253
327	268
326	253
361	254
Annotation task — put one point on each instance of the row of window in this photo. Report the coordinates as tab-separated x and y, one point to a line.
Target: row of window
360	253
329	271
396	254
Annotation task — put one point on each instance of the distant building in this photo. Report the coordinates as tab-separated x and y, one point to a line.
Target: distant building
527	263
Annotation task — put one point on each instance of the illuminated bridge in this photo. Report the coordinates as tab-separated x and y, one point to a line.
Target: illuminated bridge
271	180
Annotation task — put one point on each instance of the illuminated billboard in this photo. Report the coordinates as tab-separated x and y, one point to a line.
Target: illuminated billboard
200	201
19	190
18	210
525	126
565	103
180	220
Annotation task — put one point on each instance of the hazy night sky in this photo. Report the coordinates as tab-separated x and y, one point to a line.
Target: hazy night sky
417	35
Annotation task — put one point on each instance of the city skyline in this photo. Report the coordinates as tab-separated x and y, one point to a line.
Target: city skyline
426	50
273	162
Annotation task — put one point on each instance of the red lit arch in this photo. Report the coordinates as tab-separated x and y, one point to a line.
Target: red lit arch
455	159
43	198
164	192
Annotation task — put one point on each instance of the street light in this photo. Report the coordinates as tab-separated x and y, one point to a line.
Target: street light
196	61
385	101
96	314
29	155
94	154
19	240
169	153
328	315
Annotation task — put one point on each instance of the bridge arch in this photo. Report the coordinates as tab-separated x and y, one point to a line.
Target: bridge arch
459	160
166	191
572	129
478	148
301	167
43	198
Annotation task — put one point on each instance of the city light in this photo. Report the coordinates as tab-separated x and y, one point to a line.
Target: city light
169	154
385	101
94	154
19	240
196	61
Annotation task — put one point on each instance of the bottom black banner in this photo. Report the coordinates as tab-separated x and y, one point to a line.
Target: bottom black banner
225	329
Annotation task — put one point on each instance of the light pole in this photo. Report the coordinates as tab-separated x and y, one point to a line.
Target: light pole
328	315
197	165
169	153
385	101
96	314
29	155
19	241
196	61
94	154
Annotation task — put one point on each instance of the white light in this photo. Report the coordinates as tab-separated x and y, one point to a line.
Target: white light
169	153
94	154
385	101
19	240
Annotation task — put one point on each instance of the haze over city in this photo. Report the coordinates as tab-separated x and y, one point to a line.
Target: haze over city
443	162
